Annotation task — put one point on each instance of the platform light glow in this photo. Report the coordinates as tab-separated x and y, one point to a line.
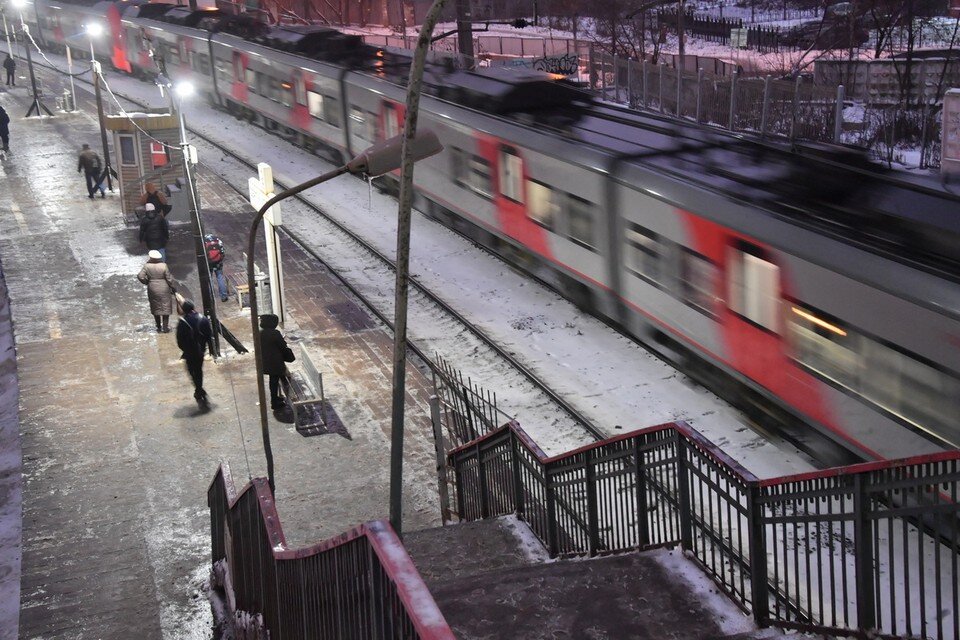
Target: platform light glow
94	29
184	89
820	323
18	4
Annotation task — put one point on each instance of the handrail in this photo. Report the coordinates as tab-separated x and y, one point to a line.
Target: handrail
836	550
383	575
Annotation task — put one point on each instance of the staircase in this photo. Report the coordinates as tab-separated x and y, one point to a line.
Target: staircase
493	579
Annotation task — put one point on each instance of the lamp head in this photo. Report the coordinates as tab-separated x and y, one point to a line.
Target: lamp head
18	4
94	29
184	89
385	156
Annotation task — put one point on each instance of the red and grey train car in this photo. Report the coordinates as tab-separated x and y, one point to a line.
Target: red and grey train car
830	291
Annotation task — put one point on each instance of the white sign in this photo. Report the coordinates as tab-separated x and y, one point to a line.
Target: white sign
738	38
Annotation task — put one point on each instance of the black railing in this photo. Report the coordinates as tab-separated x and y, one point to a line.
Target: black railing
467	410
361	584
855	549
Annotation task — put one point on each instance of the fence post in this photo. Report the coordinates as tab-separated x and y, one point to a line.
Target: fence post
794	107
864	553
630	82
683	494
616	79
482	481
518	497
759	589
593	516
592	61
733	101
838	115
699	92
552	545
640	483
441	460
643	70
458	479
766	106
679	90
660	77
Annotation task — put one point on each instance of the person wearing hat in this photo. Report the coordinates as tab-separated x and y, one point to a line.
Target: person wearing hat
160	289
275	354
194	337
154	231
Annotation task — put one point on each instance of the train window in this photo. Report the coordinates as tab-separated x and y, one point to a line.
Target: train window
251	78
580	222
825	346
315	104
300	86
542	205
644	252
698	280
360	128
224	72
174	54
284	93
391	127
331	110
472	172
754	286
511	174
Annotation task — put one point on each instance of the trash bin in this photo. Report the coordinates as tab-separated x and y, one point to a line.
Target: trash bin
261	281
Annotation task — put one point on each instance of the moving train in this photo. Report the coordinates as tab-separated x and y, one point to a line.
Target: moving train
808	278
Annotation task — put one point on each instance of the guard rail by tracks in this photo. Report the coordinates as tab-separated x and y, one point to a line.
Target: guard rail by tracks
869	549
360	584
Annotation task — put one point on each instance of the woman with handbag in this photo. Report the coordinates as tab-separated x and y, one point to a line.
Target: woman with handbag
160	289
276	354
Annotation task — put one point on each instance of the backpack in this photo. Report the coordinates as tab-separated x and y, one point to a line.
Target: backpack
214	249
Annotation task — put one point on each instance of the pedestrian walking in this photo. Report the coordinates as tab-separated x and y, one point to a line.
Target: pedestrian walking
91	165
4	129
215	254
153	195
160	289
11	66
154	231
194	337
276	355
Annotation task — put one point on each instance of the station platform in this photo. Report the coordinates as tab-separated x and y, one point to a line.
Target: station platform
117	457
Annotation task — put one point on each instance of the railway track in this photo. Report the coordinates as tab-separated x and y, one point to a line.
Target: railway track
472	343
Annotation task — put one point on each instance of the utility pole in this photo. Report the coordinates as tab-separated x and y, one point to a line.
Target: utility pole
680	44
36	107
465	30
93	30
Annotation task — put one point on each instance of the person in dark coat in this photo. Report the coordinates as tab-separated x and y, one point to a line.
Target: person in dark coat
194	337
91	165
4	129
273	349
160	290
155	231
10	65
153	195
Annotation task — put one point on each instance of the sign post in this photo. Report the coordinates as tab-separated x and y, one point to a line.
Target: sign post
261	190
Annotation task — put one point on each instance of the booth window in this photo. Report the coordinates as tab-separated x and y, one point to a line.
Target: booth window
128	151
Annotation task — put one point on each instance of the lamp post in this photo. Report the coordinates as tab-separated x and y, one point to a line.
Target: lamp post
37	106
95	30
377	160
177	93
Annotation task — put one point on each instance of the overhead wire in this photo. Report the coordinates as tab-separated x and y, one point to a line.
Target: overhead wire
49	61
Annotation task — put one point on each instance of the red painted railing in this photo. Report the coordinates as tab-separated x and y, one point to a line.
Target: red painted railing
862	549
360	584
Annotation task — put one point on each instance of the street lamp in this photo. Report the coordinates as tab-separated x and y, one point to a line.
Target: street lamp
36	106
95	30
381	158
178	92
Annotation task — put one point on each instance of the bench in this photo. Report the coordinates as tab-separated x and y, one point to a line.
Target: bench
238	280
303	389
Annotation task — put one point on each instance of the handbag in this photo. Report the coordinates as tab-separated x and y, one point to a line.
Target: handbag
180	299
288	355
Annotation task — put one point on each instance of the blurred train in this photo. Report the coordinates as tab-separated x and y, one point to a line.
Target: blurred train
810	279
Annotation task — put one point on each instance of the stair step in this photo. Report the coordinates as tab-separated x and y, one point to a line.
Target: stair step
472	548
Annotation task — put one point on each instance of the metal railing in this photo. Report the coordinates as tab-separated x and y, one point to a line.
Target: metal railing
855	549
360	584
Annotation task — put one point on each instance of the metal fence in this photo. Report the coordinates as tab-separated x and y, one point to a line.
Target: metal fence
855	549
361	584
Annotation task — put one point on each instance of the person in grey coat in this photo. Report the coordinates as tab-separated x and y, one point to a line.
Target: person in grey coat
275	354
160	289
